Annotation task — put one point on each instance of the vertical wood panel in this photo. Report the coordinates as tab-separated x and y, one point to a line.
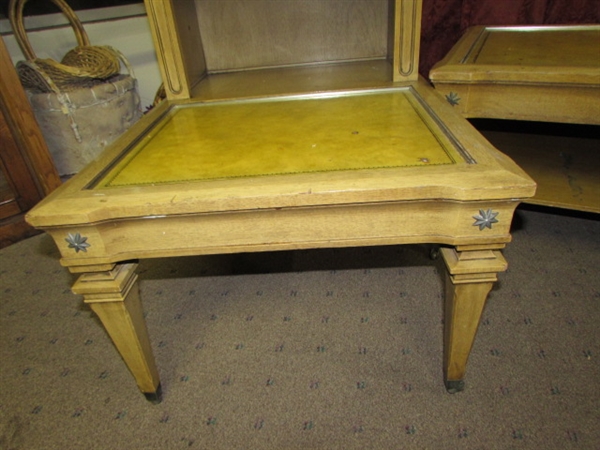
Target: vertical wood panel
239	34
29	142
28	172
407	35
178	46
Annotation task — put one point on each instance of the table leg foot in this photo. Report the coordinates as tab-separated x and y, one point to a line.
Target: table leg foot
114	297
469	279
154	397
454	386
434	252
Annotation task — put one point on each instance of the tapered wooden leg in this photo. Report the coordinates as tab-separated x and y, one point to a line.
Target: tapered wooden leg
469	279
114	297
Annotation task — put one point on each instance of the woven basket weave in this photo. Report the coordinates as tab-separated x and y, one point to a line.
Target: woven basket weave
83	66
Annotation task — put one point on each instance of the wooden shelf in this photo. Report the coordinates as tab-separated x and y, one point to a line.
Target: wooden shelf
563	159
302	79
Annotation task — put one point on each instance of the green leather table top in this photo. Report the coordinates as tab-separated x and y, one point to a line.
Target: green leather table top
276	136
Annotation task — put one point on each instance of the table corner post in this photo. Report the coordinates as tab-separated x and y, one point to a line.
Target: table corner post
470	276
113	296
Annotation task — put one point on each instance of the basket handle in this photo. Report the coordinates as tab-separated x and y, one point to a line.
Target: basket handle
15	15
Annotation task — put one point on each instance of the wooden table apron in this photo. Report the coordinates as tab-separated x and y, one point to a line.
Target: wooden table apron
466	206
539	73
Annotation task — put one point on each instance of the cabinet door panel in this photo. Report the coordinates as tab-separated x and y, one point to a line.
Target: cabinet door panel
18	186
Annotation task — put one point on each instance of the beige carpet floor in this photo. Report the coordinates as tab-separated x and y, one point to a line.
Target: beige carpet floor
328	349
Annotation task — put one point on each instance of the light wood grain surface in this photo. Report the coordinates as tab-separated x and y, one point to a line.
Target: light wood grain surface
545	73
534	73
373	156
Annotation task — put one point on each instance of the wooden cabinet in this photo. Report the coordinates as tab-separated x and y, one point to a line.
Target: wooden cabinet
27	171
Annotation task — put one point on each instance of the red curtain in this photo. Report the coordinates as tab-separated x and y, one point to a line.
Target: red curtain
445	21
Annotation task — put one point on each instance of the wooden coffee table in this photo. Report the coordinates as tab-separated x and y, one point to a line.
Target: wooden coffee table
363	167
548	74
541	73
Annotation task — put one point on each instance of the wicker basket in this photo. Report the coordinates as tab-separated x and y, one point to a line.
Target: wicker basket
96	116
83	66
83	103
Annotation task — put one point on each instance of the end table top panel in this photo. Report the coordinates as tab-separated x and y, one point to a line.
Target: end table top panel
302	134
529	54
539	46
375	146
